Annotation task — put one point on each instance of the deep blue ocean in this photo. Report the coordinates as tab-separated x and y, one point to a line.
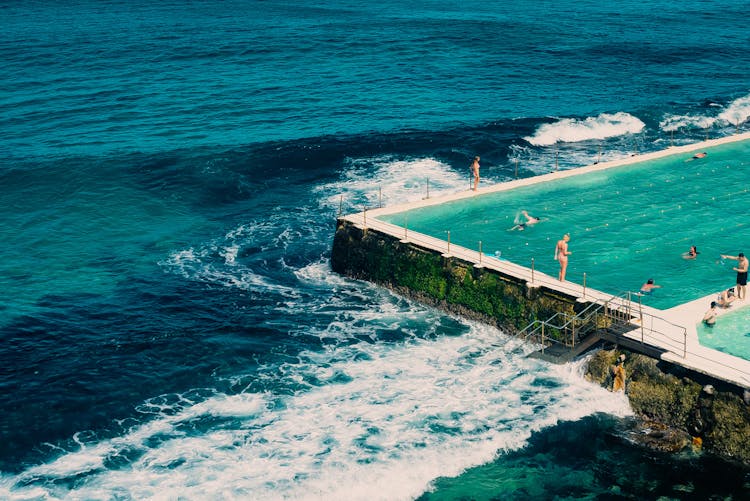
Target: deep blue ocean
170	175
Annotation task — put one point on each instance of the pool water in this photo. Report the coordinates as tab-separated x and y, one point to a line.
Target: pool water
731	334
627	224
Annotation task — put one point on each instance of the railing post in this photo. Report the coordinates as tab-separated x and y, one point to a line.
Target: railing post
584	285
341	204
573	330
449	241
684	343
516	167
480	252
532	270
380	197
428	188
543	338
640	313
406	228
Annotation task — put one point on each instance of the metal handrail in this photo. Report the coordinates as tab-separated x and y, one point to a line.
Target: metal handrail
622	305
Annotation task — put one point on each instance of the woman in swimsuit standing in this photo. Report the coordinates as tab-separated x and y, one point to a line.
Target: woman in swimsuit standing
561	254
475	170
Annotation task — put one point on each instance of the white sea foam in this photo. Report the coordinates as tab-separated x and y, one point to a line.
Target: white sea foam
675	122
369	182
571	130
543	160
217	261
396	418
737	112
734	114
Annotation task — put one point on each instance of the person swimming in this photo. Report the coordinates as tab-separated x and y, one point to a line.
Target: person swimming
529	221
709	319
697	156
692	253
649	286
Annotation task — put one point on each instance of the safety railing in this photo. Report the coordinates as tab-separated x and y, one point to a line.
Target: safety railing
613	314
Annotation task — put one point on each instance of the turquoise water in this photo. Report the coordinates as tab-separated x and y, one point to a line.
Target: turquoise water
171	172
627	224
731	334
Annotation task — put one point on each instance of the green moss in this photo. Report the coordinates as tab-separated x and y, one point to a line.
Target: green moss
427	274
730	434
675	402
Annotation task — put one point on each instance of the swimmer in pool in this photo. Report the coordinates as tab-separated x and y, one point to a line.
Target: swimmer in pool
530	221
697	156
649	286
692	253
709	319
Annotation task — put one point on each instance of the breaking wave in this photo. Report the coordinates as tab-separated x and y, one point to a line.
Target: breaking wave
571	130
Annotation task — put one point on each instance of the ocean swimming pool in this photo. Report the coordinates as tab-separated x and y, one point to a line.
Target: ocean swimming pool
731	334
627	223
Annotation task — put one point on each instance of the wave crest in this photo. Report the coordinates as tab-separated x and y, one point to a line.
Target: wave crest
735	113
571	130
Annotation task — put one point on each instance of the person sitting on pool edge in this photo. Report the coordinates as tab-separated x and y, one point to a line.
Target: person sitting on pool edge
530	221
709	319
649	286
726	297
692	253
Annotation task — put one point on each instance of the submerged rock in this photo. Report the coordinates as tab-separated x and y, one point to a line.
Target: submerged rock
677	411
660	437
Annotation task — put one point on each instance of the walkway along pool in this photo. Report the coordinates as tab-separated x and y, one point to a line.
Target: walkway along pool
627	223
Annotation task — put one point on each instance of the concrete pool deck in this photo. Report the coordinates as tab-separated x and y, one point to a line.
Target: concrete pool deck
701	358
676	335
560	174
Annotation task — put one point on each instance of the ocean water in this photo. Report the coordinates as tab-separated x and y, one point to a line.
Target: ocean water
171	173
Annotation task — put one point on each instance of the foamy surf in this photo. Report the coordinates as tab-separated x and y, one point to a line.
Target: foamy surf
733	115
370	182
392	415
571	130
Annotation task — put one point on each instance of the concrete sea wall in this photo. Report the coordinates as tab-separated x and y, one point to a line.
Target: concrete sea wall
659	394
449	283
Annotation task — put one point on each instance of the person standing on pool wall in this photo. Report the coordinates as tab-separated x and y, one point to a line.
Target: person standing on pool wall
561	254
475	170
741	270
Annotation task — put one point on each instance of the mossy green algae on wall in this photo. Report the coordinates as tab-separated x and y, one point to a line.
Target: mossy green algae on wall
720	419
450	283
